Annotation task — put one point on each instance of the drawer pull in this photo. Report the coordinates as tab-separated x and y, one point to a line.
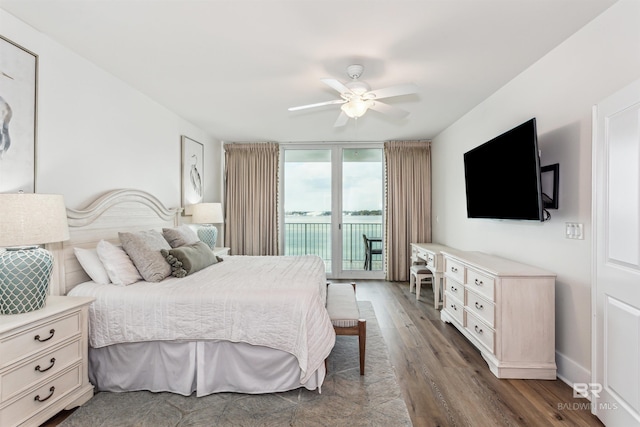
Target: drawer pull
453	269
53	362
454	307
454	289
479	306
478	330
478	282
51	333
51	390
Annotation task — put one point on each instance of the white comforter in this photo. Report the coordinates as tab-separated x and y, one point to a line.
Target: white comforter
277	302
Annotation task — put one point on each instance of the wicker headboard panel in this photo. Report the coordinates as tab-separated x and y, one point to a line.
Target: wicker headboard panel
117	210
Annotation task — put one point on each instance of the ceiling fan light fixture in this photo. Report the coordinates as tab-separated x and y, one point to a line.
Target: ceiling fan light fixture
356	107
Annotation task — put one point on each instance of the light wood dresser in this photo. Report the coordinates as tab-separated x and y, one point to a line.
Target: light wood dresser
43	361
506	309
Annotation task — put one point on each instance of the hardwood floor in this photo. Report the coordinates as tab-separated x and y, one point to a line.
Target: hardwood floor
443	378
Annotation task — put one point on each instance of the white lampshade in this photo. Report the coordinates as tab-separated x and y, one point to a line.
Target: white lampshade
32	219
207	213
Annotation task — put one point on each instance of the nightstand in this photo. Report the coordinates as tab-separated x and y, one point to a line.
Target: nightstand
43	361
221	251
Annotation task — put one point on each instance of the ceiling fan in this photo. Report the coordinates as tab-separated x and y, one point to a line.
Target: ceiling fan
356	97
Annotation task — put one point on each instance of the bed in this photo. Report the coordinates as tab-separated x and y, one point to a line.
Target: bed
246	324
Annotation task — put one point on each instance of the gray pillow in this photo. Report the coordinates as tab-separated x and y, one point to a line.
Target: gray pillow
180	236
188	259
143	247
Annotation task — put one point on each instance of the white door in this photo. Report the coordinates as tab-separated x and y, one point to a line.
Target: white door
615	390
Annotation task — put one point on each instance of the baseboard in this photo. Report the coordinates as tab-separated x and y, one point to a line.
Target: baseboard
570	372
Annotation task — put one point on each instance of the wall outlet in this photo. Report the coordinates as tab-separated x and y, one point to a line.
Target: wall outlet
574	230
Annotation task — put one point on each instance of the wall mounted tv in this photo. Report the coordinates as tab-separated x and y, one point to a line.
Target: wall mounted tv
502	176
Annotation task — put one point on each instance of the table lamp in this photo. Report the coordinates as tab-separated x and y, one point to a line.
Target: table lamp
26	221
207	214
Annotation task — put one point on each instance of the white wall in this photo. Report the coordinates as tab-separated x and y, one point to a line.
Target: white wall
96	133
559	90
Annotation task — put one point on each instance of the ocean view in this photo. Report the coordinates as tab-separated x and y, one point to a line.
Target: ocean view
311	234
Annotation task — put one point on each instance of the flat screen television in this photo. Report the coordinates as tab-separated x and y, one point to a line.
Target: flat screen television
502	176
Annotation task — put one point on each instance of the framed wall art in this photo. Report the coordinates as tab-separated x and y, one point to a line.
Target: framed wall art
18	112
192	173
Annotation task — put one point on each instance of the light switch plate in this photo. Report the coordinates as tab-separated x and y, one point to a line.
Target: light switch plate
574	230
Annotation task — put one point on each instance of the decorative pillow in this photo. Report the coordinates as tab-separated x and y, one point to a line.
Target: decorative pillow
143	247
90	262
180	236
117	263
189	259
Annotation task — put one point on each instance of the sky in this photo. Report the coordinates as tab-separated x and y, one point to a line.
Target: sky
308	184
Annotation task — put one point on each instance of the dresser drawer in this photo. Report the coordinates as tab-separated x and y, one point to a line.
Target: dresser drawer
481	307
480	331
454	269
454	288
14	381
48	394
454	307
480	283
39	338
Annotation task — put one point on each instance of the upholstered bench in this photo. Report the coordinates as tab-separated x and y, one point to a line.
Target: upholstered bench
345	316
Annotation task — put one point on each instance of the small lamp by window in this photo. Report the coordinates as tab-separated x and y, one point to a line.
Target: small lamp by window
26	221
207	214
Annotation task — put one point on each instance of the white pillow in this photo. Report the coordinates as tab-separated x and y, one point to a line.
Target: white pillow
119	266
90	262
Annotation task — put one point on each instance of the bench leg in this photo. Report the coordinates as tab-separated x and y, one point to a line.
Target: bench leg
362	340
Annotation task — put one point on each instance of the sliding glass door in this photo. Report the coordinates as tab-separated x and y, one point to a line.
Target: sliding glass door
332	206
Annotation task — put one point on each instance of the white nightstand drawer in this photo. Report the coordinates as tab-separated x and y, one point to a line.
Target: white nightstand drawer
481	331
480	283
13	381
39	338
40	398
480	307
454	269
454	308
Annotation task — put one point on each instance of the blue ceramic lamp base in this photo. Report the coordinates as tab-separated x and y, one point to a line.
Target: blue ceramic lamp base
208	234
24	279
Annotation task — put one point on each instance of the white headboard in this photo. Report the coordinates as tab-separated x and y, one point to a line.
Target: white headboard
117	210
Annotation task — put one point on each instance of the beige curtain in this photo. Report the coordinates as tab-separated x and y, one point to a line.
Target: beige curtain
408	202
251	198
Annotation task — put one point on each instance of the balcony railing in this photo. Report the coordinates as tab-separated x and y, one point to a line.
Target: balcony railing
315	239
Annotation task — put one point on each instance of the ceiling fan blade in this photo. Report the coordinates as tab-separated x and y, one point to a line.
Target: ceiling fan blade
395	112
342	120
318	104
335	84
390	91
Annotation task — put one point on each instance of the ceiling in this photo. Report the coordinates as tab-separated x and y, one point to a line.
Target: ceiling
233	67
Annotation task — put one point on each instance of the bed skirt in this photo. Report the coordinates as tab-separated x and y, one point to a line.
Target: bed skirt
203	367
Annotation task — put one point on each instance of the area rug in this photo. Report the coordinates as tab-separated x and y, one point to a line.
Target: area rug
347	398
